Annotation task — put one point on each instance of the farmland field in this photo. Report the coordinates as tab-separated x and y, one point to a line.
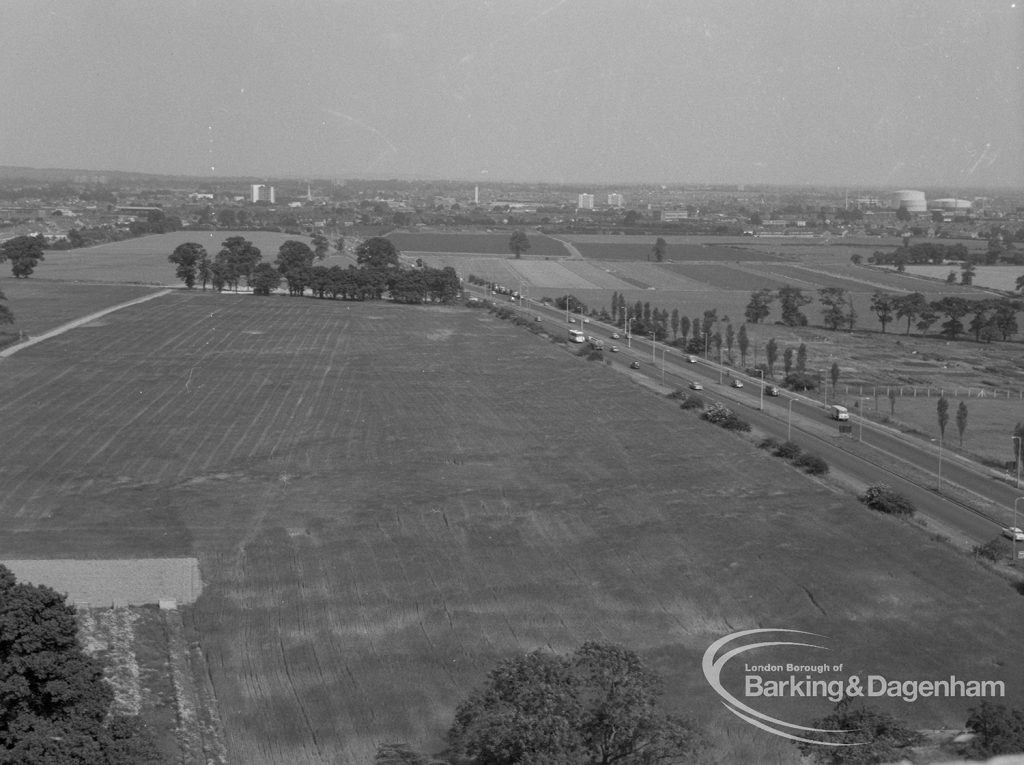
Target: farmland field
386	500
475	242
144	260
40	305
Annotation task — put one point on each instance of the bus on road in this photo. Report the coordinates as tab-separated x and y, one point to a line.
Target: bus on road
576	336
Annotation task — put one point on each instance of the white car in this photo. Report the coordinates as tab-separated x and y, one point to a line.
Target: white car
1012	532
737	383
696	386
614	349
616	335
691	359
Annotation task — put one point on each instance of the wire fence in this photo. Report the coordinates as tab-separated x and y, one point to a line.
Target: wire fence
914	391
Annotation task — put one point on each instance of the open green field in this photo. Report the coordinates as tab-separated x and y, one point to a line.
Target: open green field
42	305
475	242
386	500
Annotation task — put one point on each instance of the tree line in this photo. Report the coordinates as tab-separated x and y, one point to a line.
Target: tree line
378	271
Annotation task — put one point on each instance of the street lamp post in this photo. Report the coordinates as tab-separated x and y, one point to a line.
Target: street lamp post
761	403
654	346
789	421
940	462
720	365
629	332
1013	532
705	343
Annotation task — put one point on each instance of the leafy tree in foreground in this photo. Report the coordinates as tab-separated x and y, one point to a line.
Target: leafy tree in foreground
187	257
377	252
54	698
884	306
759	307
744	343
24	252
791	300
881	737
910	306
598	706
961	420
264	280
295	263
659	249
942	411
771	353
997	730
518	243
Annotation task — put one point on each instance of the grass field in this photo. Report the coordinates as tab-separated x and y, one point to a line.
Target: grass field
40	305
476	243
386	500
144	260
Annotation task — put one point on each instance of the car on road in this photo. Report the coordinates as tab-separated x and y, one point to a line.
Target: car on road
1014	533
635	365
537	318
586	321
616	335
572	321
773	390
614	349
737	383
696	386
691	359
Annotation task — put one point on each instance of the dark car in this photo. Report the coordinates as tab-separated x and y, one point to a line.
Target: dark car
773	390
635	365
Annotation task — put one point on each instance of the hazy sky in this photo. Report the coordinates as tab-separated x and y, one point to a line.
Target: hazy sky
873	93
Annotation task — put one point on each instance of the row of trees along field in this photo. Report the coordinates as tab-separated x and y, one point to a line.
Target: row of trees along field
379	271
992	318
55	706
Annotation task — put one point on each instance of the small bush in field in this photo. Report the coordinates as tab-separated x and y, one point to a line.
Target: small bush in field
994	550
735	423
811	463
693	402
788	450
769	444
885	500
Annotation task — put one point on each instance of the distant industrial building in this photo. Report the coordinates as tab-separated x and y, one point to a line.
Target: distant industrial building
615	200
262	193
670	216
586	202
909	200
951	205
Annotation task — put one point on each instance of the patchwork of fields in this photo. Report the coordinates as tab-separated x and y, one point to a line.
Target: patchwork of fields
385	500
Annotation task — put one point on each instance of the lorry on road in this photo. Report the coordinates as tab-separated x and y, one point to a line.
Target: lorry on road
837	412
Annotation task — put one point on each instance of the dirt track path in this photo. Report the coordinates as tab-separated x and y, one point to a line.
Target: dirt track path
10	351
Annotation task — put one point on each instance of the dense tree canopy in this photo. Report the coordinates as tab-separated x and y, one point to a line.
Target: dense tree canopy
53	699
597	706
6	315
519	242
377	252
187	258
24	252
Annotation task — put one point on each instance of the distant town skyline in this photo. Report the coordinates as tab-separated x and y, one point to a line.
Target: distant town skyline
875	93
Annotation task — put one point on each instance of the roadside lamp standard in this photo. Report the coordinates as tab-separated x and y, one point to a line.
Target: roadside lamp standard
761	403
789	421
720	367
654	346
1013	532
629	332
705	343
1016	454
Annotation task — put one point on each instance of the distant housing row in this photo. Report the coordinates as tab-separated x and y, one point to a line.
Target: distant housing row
906	199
